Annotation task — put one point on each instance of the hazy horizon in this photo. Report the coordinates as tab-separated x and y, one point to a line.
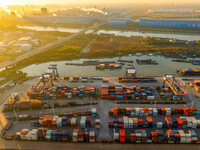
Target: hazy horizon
24	2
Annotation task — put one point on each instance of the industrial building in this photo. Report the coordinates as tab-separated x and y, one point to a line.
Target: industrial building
170	23
56	19
171	11
118	22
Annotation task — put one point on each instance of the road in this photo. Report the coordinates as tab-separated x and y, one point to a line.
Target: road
46	47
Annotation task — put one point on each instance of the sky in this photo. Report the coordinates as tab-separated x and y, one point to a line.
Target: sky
42	2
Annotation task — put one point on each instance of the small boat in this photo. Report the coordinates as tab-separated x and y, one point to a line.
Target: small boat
138	54
150	54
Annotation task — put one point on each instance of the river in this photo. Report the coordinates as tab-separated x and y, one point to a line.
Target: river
165	65
115	32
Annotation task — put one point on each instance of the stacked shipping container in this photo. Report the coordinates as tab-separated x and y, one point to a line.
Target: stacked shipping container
127	92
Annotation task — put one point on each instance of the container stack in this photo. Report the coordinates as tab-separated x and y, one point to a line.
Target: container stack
154	136
92	136
193	136
34	134
88	123
64	135
168	112
120	123
28	135
173	136
56	91
161	136
126	122
23	134
84	79
135	123
152	111
75	135
182	136
122	136
59	122
159	125
53	135
48	135
59	136
97	123
18	136
83	122
116	136
144	136
115	112
41	133
133	137
141	136
119	92
104	92
130	123
76	78
64	121
169	122
150	122
94	112
110	123
80	137
73	122
13	104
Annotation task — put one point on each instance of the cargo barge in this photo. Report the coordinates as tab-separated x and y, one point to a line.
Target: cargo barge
195	62
109	66
184	72
147	62
126	61
180	60
75	64
175	55
107	62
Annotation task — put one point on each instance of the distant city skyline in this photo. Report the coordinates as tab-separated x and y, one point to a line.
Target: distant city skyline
42	2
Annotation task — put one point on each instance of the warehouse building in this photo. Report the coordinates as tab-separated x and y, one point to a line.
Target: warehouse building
56	19
170	23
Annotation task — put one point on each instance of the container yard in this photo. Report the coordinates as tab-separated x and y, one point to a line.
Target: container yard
159	109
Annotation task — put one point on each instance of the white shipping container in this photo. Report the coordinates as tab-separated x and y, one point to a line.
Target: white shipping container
159	125
116	136
150	97
155	112
28	136
130	123
23	137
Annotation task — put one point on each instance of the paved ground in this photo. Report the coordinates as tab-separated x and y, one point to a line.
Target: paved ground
102	110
